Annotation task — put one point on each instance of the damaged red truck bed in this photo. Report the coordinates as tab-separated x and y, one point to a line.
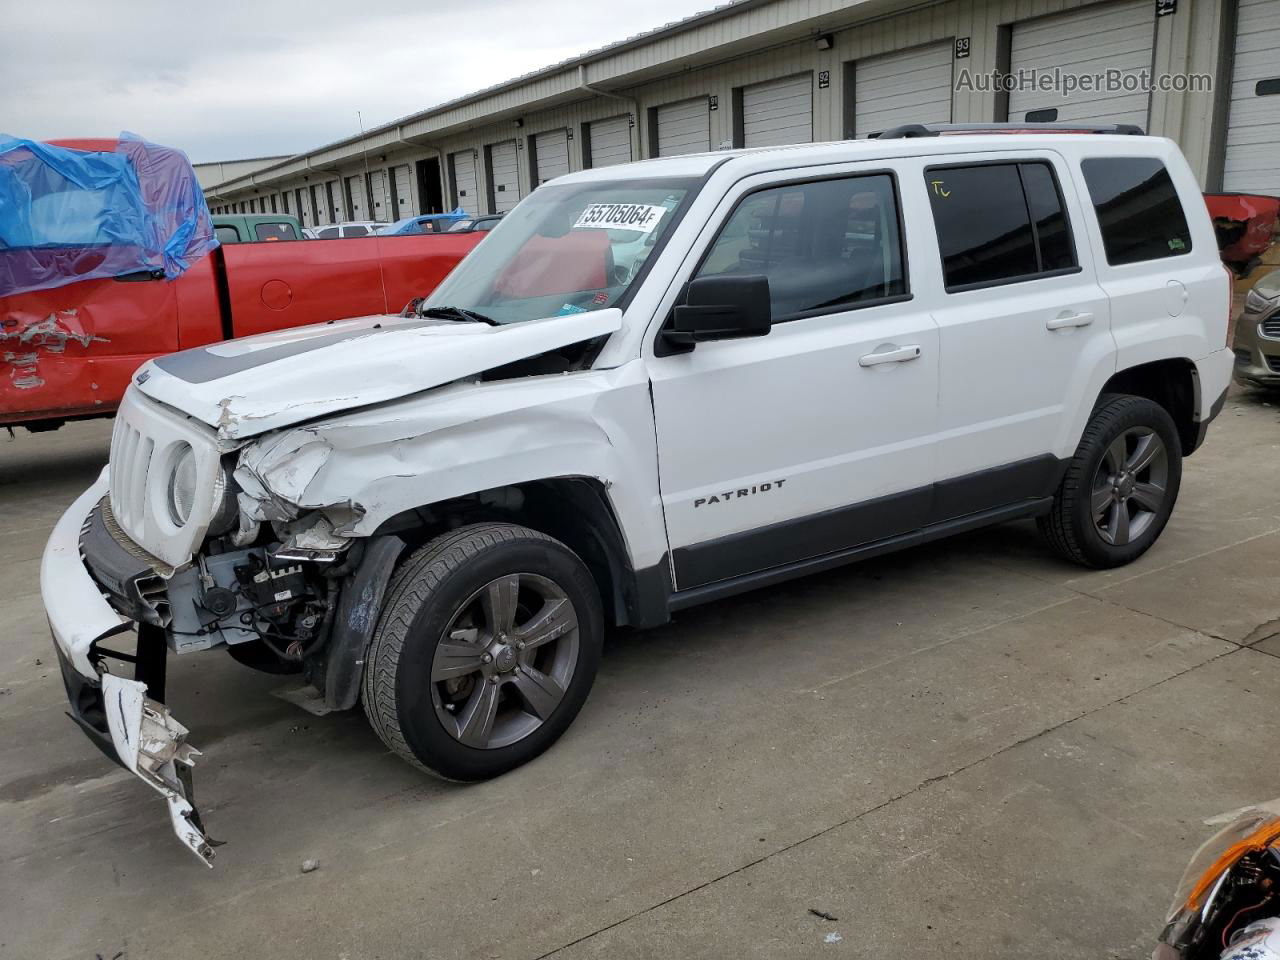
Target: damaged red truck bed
68	352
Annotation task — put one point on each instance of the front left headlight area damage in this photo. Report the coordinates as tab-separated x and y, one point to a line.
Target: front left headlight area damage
286	586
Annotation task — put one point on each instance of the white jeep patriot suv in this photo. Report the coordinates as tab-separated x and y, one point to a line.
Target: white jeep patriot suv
651	386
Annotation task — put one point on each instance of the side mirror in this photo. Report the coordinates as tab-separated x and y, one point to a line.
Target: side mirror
721	308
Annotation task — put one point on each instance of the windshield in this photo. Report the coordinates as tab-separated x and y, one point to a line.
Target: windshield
566	249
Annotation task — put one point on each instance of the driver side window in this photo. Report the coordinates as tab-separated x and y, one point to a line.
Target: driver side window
824	246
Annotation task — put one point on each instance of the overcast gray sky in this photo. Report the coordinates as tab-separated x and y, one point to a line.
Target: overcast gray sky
229	79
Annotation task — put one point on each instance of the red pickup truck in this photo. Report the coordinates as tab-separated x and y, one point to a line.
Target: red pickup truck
68	352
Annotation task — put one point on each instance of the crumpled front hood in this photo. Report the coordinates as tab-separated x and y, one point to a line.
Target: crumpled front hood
256	384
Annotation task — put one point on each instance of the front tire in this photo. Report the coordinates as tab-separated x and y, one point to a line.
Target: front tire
485	651
1120	487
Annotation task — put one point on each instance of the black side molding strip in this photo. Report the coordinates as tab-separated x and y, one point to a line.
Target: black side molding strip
728	588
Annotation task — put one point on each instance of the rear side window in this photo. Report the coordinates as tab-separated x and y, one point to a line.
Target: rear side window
227	234
275	231
356	231
999	223
1138	209
328	233
824	246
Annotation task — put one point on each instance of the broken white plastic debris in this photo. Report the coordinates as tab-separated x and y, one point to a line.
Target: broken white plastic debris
152	745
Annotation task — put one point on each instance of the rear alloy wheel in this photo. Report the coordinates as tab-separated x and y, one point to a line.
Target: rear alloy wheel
1120	487
1130	486
485	650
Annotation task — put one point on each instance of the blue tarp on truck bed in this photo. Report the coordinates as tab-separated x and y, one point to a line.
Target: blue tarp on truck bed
68	215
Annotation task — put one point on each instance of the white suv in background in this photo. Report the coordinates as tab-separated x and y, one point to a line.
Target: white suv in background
348	228
651	386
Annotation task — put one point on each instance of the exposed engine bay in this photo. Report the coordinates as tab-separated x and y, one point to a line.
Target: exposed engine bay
251	594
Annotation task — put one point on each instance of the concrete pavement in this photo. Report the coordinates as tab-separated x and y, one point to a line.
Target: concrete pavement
968	749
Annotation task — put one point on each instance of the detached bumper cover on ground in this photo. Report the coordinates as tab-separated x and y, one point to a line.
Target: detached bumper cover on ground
114	712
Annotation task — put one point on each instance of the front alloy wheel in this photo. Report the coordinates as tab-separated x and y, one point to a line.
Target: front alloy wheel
508	660
485	650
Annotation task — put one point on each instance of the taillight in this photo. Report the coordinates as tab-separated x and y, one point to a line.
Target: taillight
1231	303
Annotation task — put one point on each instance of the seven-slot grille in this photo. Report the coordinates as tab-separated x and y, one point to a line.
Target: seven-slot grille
131	455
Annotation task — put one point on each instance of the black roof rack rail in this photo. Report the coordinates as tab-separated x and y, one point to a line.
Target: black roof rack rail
907	130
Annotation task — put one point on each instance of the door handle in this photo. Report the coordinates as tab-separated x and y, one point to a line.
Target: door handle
1064	320
892	355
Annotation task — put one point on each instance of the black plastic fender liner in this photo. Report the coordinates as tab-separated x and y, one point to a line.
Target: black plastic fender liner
356	618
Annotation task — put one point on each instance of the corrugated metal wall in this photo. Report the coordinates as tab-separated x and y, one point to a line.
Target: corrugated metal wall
1189	40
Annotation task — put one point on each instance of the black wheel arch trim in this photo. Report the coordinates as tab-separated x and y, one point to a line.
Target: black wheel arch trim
359	605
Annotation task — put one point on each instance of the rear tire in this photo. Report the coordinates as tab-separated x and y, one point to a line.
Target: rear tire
1120	487
485	651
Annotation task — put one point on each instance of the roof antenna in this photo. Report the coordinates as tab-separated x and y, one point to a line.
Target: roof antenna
368	199
368	181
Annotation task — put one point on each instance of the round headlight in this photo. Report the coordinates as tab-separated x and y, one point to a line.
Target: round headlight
182	485
226	509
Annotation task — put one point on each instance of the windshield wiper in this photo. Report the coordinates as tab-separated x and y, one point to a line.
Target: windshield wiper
456	313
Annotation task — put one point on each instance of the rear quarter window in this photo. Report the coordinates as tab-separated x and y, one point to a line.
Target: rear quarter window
227	234
1139	213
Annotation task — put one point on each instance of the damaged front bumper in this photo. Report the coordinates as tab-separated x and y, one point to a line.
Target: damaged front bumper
116	713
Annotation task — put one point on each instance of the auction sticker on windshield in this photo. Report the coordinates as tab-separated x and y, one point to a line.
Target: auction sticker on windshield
642	217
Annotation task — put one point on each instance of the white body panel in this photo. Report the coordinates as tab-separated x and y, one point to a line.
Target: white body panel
504	176
911	86
1253	123
1011	386
778	112
552	151
477	436
610	141
78	614
684	127
249	386
1090	41
1171	307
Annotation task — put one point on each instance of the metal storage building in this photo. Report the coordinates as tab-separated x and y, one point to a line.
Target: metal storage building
757	72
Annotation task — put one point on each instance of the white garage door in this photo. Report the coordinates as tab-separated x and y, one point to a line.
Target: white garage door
1253	125
910	86
551	150
359	203
380	196
504	176
610	141
321	208
404	195
777	112
684	128
1089	41
463	174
